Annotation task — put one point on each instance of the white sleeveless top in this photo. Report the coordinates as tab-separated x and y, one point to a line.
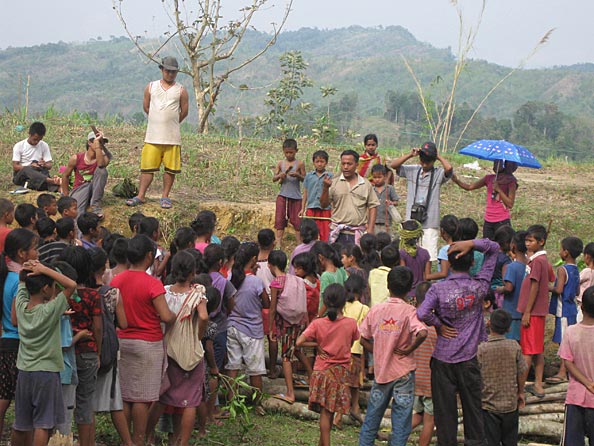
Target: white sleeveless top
163	117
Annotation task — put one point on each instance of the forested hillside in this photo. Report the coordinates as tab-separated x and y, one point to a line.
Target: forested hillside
551	108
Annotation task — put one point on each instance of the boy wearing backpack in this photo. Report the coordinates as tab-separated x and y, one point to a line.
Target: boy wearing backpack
287	318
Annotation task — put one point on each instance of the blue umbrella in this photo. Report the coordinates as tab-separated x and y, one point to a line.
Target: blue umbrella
487	149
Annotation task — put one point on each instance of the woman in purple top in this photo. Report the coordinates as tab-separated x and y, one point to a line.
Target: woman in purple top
309	233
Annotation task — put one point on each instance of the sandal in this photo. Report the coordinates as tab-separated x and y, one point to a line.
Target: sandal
133	202
166	203
530	389
98	211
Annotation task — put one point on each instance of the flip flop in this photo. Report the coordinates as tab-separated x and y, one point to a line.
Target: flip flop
356	417
283	397
133	202
555	380
530	389
165	203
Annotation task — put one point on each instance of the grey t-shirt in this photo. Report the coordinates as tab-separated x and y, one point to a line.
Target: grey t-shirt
411	172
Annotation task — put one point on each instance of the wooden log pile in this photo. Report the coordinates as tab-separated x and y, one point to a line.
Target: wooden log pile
541	417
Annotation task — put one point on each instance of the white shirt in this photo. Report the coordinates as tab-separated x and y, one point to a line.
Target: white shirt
163	116
25	153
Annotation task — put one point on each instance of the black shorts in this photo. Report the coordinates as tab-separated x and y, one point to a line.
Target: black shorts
9	349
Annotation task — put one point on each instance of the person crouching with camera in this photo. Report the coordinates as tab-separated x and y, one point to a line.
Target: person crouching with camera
424	182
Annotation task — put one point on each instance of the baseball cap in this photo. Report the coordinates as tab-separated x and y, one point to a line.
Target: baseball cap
429	150
169	63
91	137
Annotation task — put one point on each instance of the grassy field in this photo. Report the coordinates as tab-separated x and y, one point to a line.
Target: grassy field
234	178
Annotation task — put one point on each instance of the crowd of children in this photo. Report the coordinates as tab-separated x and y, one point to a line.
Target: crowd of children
96	322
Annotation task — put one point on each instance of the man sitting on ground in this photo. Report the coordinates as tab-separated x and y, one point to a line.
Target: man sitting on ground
90	175
32	161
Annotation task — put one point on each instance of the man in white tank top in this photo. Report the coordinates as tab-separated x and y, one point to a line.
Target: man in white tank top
166	104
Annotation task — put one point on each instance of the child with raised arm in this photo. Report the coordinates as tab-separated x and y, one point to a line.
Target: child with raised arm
289	173
38	403
503	374
312	190
534	305
333	336
577	351
563	302
392	332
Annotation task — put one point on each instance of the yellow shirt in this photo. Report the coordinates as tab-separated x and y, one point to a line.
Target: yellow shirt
356	310
378	285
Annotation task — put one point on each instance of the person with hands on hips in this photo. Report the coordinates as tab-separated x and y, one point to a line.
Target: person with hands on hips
424	182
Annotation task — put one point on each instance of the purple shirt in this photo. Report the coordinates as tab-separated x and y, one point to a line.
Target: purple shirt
246	315
303	247
417	266
457	301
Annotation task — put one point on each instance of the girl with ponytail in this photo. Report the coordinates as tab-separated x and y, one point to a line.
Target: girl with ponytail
333	337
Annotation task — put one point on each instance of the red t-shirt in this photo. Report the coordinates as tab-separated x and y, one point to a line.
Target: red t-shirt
88	307
335	338
538	270
138	289
3	233
313	299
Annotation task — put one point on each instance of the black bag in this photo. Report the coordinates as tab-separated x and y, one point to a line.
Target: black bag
125	189
110	344
418	212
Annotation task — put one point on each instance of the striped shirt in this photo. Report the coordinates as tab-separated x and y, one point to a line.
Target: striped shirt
423	358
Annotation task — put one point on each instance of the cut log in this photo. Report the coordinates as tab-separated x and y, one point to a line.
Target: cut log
540	428
557	417
542	408
547	398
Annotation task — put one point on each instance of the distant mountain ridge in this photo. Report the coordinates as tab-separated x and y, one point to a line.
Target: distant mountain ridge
109	76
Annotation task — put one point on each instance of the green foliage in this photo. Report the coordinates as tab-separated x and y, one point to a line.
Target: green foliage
238	394
284	100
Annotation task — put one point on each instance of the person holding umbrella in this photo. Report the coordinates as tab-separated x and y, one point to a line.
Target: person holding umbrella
501	195
501	187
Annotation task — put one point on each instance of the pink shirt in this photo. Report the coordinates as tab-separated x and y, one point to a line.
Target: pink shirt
335	338
538	270
496	211
391	324
577	346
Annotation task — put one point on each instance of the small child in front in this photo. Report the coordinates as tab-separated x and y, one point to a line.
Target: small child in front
577	352
392	332
534	305
312	190
503	372
289	173
378	288
563	302
38	403
423	405
333	336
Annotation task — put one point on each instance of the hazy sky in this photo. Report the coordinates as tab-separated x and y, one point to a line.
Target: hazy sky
509	31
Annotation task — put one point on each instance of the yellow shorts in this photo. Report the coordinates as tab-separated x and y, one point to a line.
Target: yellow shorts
155	154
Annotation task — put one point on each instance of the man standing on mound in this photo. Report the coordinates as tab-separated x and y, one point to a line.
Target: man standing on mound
166	103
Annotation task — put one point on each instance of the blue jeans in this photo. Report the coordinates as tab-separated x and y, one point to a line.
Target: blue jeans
402	394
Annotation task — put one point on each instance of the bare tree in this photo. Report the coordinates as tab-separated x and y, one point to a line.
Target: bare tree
439	116
207	41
